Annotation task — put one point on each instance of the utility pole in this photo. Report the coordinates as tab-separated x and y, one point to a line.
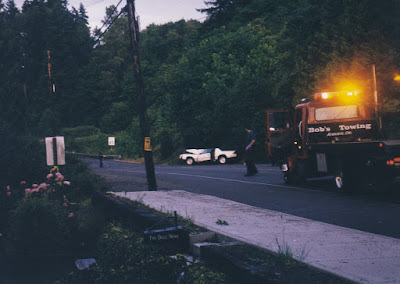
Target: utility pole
376	107
52	102
144	127
27	129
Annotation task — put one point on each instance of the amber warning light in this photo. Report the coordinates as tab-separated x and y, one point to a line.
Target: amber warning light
331	95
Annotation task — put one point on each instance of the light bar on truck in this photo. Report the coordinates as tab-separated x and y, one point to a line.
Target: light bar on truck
330	95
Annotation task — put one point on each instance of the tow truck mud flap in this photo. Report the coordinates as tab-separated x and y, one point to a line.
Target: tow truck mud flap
321	162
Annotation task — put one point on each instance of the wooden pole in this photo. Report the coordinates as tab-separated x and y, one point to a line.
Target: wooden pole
52	102
147	151
377	114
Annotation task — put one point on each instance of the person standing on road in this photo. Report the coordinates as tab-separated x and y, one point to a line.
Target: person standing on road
249	153
101	156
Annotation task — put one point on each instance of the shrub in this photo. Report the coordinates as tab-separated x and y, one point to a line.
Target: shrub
80	131
117	118
92	144
123	257
391	123
128	145
200	274
22	158
89	225
40	226
83	182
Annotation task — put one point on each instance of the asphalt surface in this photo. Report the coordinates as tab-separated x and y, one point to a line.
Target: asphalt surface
375	212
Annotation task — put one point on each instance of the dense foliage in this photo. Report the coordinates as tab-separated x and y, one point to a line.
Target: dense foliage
123	256
203	81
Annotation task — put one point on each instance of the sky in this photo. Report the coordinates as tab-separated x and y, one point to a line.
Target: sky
150	11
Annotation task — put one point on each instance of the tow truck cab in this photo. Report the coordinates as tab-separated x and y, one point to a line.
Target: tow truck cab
337	133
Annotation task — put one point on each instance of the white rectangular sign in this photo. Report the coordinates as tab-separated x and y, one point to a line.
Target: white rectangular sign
60	148
111	141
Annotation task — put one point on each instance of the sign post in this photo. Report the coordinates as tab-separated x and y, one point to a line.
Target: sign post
111	142
55	151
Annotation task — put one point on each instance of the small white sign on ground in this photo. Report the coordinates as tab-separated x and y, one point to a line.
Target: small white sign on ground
60	148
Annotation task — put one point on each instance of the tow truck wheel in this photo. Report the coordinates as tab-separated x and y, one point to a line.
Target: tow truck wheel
222	159
189	161
378	182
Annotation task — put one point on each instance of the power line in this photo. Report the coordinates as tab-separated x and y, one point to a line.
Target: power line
101	35
95	3
109	17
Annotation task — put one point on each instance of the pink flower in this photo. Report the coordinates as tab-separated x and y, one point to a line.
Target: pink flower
65	204
28	190
49	176
59	177
9	193
23	182
43	185
67	182
8	188
70	215
34	185
35	190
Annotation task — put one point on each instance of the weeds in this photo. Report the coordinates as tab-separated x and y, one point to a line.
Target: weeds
286	254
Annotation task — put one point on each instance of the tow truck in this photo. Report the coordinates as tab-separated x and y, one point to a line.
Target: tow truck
337	134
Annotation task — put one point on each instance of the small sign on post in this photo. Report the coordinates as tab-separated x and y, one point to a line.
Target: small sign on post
55	151
170	234
147	144
111	141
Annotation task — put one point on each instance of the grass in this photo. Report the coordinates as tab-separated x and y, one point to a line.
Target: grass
286	255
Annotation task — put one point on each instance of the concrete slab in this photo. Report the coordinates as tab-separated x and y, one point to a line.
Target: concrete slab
355	255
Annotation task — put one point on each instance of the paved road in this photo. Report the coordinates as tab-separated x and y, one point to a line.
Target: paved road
317	200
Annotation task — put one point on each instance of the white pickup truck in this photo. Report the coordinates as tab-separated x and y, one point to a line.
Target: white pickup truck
203	155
